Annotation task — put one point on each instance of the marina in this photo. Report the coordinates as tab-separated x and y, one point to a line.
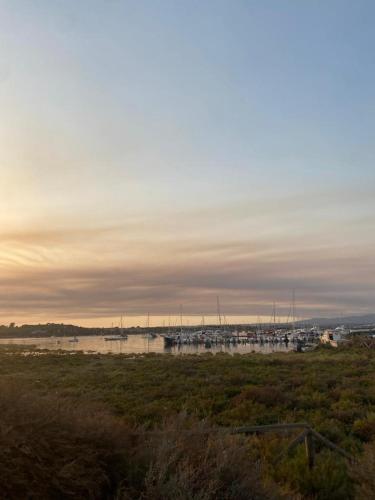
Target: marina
210	338
138	344
187	342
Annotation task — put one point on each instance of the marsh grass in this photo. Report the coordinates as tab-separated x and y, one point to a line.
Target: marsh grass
362	473
92	426
52	448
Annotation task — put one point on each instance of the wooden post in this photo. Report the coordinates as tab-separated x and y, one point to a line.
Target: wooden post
310	452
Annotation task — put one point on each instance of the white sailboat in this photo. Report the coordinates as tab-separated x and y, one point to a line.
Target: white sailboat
149	335
121	336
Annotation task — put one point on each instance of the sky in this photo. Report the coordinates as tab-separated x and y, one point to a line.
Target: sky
162	153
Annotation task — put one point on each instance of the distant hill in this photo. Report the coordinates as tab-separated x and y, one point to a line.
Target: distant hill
363	319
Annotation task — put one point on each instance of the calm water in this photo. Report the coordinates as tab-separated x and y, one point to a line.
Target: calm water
138	344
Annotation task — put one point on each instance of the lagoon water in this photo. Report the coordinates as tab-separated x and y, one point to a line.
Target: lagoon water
137	344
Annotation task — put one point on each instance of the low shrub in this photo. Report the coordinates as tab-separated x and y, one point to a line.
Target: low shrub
50	448
362	473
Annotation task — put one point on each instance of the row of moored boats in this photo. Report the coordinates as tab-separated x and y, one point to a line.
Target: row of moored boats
212	337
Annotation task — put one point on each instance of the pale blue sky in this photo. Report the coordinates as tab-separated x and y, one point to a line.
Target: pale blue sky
174	125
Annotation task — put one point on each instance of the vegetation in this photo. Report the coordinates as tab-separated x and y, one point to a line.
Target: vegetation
114	426
46	330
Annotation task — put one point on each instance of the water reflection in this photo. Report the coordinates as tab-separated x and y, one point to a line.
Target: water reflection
138	344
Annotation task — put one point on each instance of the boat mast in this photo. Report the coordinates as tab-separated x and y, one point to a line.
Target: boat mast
274	316
181	317
294	309
218	311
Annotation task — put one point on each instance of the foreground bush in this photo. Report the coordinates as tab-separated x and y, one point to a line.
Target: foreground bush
51	449
363	473
201	464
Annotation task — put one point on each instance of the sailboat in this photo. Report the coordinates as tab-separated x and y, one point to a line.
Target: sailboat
149	335
122	336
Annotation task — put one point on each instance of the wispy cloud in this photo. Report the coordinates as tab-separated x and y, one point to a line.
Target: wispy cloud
247	286
153	263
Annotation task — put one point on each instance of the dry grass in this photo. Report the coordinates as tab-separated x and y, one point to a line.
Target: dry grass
201	464
50	448
363	473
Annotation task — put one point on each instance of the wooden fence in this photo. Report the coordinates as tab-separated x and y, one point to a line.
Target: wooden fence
308	436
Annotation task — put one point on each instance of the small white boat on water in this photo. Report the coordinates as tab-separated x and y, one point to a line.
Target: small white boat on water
74	339
116	337
149	336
